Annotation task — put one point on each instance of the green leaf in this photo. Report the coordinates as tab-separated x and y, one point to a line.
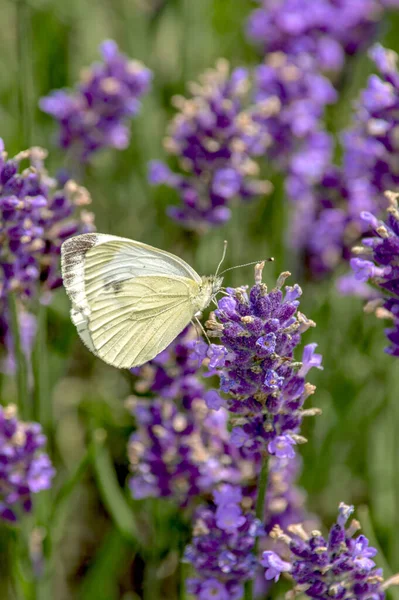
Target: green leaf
111	494
61	500
101	581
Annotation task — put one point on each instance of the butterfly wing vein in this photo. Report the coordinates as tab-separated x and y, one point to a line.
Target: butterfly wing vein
133	325
129	300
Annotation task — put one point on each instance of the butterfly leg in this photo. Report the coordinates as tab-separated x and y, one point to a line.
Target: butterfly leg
198	322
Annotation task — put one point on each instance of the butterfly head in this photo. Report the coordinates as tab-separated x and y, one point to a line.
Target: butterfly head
211	285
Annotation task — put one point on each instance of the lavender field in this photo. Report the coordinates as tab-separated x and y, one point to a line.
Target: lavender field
256	456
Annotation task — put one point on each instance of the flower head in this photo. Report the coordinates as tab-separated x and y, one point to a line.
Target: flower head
96	114
290	98
265	388
376	262
338	566
325	32
36	216
329	213
25	468
222	547
181	447
215	139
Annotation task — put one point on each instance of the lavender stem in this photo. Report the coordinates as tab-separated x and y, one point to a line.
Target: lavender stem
260	513
21	366
42	397
262	487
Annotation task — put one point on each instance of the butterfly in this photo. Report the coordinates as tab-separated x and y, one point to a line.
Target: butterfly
130	300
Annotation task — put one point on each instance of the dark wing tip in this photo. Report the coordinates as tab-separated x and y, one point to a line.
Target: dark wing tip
79	244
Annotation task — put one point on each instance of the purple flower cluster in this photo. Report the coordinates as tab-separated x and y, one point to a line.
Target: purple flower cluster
290	98
221	550
371	145
266	389
180	453
321	228
376	262
339	567
216	139
326	31
181	448
24	468
96	114
327	219
36	216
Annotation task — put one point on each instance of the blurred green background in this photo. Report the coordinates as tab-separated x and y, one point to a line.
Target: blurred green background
353	448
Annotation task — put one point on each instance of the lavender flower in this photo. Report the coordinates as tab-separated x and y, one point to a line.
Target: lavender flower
370	146
222	547
215	139
376	262
284	506
265	388
290	98
25	468
96	114
339	566
181	448
35	218
325	32
179	453
327	219
321	227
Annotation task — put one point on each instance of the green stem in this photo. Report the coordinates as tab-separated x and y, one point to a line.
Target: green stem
25	73
42	397
106	568
20	360
62	500
111	494
182	583
260	514
262	488
44	588
52	513
249	590
152	584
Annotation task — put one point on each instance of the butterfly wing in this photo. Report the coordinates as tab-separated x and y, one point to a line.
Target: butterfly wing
131	324
129	300
94	260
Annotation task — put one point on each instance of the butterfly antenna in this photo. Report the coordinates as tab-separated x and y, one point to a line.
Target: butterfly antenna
255	262
223	257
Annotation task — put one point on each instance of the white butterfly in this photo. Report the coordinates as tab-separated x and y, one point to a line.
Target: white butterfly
130	300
